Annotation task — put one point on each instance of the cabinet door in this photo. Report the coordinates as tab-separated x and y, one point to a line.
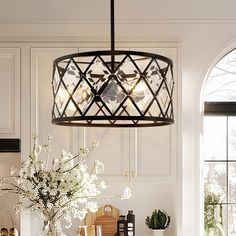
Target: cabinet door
113	151
10	92
154	150
41	100
154	156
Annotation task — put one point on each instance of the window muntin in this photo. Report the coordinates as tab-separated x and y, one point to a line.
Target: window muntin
221	83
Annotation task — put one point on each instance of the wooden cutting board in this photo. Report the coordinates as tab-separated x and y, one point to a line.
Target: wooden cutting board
108	223
107	217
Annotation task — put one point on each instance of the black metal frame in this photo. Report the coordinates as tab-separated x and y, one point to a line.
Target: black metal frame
114	53
220	108
10	145
111	63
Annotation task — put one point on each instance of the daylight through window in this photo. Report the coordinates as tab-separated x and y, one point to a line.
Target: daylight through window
220	149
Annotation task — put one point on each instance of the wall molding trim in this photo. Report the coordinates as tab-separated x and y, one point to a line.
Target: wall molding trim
160	42
93	21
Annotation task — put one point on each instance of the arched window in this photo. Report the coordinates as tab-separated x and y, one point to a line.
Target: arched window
220	149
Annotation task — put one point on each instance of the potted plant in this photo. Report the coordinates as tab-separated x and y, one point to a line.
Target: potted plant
158	222
213	214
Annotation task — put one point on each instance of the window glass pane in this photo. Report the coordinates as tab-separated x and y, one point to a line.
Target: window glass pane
221	84
215	180
232	220
215	137
232	137
232	182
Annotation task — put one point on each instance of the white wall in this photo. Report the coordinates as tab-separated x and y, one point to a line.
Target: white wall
33	10
201	30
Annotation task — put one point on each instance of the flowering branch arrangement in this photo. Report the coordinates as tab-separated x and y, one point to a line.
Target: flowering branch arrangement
67	189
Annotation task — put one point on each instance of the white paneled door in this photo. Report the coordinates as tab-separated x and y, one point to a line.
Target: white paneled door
113	151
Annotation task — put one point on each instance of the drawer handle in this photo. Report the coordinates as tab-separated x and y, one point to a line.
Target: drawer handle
126	174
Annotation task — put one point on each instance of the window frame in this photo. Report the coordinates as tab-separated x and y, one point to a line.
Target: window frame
220	108
226	109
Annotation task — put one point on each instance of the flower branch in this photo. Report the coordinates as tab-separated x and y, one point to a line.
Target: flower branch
66	189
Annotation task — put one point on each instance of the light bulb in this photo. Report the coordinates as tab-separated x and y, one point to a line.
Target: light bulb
138	92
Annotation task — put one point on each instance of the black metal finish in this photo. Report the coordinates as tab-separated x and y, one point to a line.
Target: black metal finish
112	35
113	88
220	108
75	122
116	53
9	145
112	26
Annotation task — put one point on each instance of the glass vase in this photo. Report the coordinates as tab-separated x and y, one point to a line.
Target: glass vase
50	228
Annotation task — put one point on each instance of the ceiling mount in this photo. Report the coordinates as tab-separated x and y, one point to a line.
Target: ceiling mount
113	88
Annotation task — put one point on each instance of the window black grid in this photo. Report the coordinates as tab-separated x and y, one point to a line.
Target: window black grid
225	109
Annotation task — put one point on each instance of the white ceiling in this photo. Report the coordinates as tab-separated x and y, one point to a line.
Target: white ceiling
28	11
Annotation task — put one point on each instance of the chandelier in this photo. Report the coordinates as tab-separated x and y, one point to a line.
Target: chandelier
113	88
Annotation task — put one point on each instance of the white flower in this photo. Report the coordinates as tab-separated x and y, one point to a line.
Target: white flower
35	136
83	167
37	150
102	185
67	188
95	143
50	205
82	200
85	151
93	178
99	167
50	138
64	155
81	213
126	194
92	206
68	219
